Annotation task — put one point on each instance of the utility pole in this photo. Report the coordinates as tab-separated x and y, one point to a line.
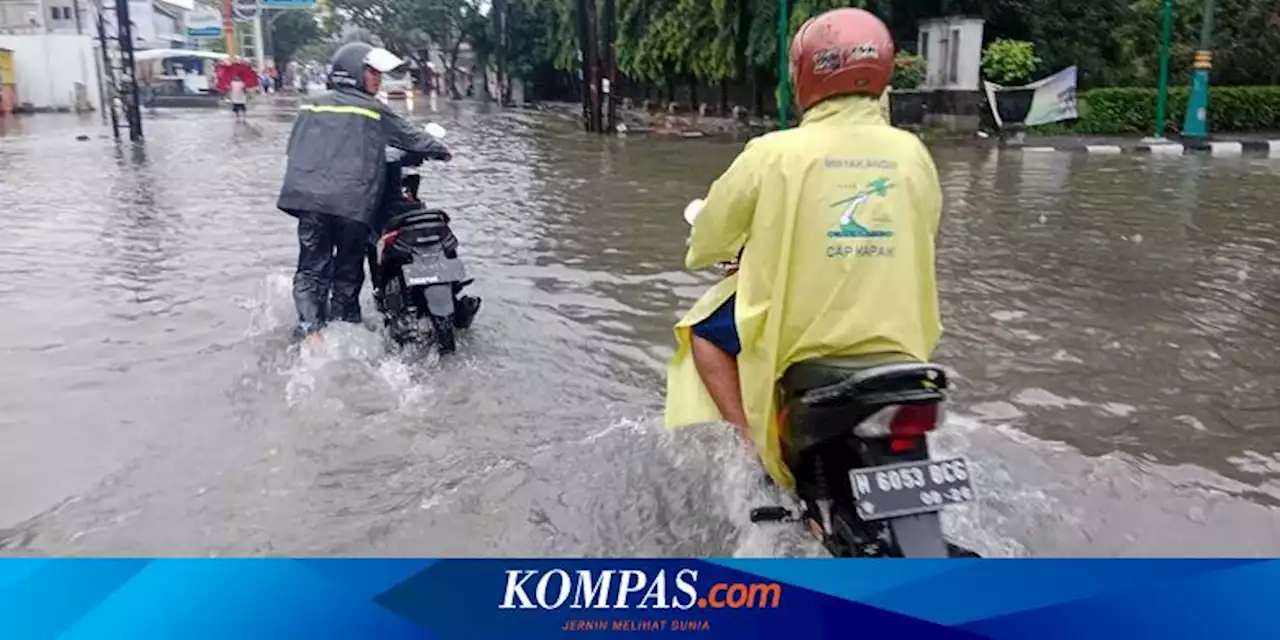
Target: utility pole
1162	100
229	27
784	83
109	86
128	70
259	50
1196	124
98	60
500	38
589	47
611	63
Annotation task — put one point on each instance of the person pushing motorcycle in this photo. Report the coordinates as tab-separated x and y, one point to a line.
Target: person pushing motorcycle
834	222
334	179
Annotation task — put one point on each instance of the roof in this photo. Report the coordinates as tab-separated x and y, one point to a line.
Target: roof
161	54
180	5
168	8
954	18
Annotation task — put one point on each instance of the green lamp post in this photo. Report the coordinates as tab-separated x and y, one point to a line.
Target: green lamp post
1162	99
784	83
1196	124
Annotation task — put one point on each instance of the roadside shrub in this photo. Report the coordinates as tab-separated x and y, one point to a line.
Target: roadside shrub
1133	110
908	72
1010	62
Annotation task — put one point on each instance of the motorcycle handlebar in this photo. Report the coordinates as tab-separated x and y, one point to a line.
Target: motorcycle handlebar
404	158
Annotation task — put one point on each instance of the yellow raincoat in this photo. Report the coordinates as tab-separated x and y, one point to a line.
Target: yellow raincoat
838	218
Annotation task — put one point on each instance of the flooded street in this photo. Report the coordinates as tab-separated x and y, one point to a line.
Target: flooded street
1113	319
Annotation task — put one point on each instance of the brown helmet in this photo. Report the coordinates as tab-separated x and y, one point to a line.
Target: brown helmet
840	52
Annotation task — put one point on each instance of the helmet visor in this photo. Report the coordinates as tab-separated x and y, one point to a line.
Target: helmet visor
385	62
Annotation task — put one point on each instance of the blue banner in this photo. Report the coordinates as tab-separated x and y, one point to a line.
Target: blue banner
205	32
776	599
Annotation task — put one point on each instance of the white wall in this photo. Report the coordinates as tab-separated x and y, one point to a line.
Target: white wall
48	67
949	66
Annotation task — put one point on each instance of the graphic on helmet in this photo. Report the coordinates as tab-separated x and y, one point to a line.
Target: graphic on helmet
840	52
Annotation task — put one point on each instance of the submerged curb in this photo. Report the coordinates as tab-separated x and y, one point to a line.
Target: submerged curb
1255	148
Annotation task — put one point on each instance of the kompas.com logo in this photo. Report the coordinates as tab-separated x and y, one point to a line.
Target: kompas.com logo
631	589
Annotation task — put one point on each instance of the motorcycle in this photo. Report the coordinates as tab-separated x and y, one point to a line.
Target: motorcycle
417	275
854	435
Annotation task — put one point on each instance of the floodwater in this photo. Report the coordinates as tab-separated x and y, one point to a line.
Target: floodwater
1113	320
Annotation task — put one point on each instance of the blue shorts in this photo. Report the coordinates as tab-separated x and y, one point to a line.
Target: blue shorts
720	328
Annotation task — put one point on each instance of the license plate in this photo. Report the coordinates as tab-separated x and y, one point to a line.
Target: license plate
907	488
433	269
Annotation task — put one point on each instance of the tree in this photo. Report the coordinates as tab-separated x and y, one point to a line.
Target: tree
411	27
291	30
671	43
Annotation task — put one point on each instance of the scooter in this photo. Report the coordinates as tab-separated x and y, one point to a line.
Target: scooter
854	437
417	275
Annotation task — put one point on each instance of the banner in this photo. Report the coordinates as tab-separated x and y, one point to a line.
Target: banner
318	599
1052	99
204	25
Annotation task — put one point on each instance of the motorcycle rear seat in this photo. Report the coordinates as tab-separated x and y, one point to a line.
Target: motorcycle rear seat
873	380
418	217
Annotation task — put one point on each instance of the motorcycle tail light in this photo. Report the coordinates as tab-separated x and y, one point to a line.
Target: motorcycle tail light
901	421
914	420
385	241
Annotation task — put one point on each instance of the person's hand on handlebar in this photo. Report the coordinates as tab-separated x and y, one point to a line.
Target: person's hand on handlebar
438	132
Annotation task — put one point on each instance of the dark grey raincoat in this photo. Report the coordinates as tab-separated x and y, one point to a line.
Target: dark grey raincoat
336	154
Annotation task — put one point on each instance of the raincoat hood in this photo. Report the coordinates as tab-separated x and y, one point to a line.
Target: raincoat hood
846	110
835	221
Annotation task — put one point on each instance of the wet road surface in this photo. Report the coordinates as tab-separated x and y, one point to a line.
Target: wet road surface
1113	320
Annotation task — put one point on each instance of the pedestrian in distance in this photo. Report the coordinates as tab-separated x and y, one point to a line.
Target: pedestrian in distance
238	96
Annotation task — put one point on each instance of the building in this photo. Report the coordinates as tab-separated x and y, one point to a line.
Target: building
55	46
157	24
53	53
952	50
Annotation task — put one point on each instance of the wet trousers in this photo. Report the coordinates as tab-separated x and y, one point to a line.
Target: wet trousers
331	253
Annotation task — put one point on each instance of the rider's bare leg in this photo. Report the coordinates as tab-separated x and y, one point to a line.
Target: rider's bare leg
719	373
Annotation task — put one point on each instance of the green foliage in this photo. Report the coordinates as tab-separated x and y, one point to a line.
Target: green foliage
735	42
1133	110
290	31
908	71
1010	62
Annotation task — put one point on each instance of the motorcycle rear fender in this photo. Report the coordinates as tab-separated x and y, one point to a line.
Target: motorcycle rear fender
439	298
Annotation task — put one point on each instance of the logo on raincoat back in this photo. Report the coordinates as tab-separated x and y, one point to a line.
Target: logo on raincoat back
848	226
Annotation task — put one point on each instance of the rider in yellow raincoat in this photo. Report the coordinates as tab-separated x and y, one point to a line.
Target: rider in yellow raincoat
835	221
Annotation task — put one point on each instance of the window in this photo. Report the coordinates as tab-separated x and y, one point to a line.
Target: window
57	13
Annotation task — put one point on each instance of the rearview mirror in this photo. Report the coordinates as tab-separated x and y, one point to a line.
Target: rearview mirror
692	210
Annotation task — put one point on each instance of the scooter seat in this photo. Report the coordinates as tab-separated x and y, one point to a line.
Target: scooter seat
415	215
840	380
825	398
